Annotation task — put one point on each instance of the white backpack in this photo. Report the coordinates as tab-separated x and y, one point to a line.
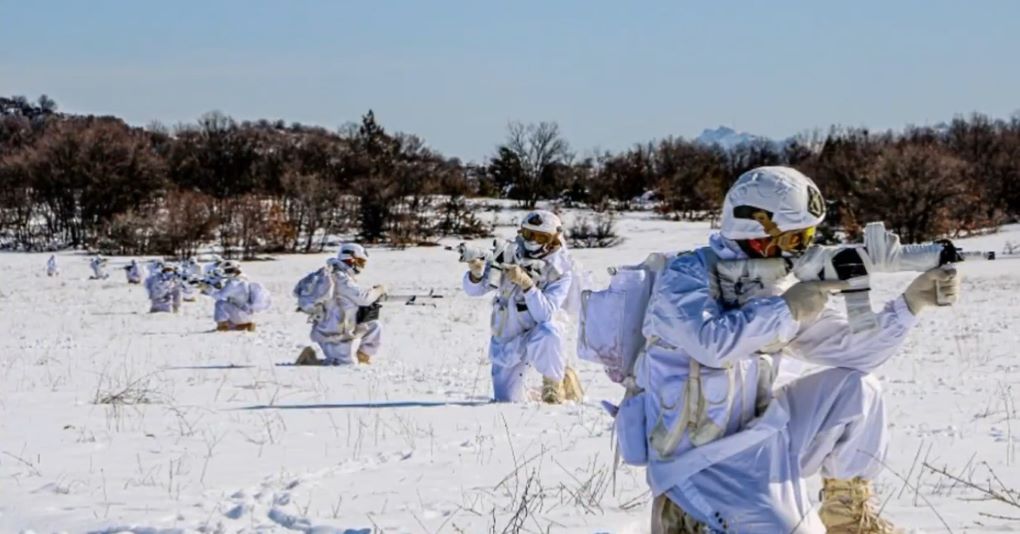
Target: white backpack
259	298
313	289
612	318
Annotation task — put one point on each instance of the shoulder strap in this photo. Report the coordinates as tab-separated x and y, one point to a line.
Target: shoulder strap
712	268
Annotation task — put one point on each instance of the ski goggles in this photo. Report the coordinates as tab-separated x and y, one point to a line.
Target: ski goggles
541	238
795	240
360	263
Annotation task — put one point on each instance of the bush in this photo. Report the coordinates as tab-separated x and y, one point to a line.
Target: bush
458	219
598	232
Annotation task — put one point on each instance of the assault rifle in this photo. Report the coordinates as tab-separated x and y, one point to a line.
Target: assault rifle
371	312
204	283
413	299
880	252
504	253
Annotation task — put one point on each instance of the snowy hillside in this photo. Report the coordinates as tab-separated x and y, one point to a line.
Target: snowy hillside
214	436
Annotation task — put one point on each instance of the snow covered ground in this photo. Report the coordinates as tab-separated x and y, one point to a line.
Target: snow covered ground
216	437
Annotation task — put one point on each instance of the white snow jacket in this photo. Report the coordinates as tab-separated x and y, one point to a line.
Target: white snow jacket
164	292
515	312
98	266
338	318
134	273
238	300
190	269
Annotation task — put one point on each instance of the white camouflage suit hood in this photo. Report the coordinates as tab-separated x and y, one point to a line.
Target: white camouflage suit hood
746	473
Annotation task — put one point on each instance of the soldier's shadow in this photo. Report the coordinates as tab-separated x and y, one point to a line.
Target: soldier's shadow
207	367
366	405
117	313
182	333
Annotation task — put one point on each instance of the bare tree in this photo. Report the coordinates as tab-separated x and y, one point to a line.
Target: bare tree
532	157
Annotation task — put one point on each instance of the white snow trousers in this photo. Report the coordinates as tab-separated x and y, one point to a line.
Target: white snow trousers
340	350
832	422
541	347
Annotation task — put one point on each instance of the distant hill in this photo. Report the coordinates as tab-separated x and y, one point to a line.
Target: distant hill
728	138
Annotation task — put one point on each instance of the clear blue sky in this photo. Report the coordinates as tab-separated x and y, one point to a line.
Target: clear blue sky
610	72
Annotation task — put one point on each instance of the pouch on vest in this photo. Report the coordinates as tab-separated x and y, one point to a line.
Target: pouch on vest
705	391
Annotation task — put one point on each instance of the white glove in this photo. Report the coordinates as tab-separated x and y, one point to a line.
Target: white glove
925	290
520	277
380	291
477	268
806	300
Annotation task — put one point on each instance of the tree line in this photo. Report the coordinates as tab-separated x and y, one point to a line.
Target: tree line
267	186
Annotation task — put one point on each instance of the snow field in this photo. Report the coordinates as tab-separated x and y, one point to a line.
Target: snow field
117	420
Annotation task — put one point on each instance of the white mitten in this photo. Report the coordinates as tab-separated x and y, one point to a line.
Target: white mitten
806	300
938	286
380	291
520	277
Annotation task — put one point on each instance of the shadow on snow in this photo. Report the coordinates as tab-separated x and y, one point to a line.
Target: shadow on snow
366	405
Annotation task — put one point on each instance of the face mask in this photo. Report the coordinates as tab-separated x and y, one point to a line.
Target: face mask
532	246
528	248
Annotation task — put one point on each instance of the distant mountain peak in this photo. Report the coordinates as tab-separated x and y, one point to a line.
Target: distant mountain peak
728	138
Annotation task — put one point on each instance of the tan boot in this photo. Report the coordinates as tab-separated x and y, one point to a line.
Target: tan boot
364	358
668	518
847	508
307	357
222	326
245	327
572	390
552	391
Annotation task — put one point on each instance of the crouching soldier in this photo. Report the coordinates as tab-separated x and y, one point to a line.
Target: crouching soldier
724	452
98	266
528	316
237	299
342	313
51	266
134	272
164	289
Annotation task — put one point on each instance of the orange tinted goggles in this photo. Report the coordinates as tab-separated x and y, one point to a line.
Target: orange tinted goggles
795	240
541	238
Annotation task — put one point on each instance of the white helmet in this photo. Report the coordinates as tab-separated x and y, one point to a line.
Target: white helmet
767	201
230	268
542	221
540	232
350	251
352	255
